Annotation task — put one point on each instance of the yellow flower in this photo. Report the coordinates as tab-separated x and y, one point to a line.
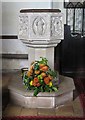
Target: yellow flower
50	84
31	82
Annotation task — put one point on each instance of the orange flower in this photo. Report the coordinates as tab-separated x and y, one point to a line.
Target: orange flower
37	72
36	80
31	67
41	65
44	68
34	84
29	74
46	80
31	71
38	84
50	77
43	74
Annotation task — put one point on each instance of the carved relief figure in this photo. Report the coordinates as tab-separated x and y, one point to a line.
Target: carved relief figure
39	26
56	26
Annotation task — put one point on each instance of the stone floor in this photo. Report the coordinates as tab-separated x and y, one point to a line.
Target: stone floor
73	108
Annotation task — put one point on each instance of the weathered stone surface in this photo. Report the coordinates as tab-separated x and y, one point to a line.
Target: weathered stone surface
37	102
46	112
32	102
65	110
35	53
12	110
5	80
63	98
41	32
77	106
65	86
43	26
19	95
70	108
28	112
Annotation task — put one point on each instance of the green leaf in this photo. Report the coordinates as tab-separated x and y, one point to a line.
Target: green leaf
25	81
41	89
25	76
47	88
52	73
54	88
50	89
40	77
30	78
36	66
36	91
41	82
43	61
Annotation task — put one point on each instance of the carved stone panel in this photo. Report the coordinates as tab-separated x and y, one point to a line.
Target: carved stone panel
57	27
39	26
23	26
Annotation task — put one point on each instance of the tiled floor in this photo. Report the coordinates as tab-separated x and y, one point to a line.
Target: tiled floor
73	108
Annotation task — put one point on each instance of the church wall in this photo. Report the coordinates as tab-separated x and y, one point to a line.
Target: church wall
10	12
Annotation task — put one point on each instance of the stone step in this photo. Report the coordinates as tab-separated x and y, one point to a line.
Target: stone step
16	84
20	96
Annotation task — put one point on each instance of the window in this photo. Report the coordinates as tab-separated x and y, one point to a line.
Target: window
75	17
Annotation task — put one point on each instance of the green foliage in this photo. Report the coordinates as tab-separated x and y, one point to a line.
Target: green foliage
40	77
36	66
41	86
36	91
43	61
54	88
42	89
47	88
52	73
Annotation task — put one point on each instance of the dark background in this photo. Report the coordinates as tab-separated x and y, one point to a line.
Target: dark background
70	54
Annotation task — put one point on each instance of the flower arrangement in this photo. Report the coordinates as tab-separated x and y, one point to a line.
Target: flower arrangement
40	77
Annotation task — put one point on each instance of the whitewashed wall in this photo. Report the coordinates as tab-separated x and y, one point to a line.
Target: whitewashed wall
10	12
